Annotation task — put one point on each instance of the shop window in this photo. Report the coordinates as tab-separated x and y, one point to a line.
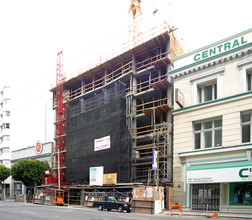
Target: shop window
246	123
208	134
241	193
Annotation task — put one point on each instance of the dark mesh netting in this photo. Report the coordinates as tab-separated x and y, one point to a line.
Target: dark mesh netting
100	115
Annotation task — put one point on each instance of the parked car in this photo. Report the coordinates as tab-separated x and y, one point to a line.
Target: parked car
110	202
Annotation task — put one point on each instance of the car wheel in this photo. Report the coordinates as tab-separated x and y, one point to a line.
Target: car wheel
129	211
100	207
109	209
120	209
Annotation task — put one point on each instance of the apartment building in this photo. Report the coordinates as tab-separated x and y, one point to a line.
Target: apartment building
5	146
212	167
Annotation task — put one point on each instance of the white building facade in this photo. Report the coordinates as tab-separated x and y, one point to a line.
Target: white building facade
5	133
212	168
42	153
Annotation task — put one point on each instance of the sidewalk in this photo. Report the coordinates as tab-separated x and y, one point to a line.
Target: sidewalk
226	214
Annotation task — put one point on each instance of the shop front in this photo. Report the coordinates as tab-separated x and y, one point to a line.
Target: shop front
215	187
206	196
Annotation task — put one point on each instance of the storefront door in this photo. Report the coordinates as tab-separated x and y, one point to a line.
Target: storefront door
206	197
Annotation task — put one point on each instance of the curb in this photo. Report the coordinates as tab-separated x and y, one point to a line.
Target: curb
224	215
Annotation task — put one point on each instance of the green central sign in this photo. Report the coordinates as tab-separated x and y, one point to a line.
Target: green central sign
220	48
245	173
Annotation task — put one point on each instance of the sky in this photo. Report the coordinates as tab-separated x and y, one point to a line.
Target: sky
32	32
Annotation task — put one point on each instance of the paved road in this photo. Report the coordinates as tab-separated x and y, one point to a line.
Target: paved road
22	211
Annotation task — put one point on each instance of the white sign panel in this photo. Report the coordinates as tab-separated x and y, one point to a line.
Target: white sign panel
225	175
179	98
102	143
154	160
96	176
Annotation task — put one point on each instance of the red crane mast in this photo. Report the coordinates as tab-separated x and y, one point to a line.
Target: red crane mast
60	124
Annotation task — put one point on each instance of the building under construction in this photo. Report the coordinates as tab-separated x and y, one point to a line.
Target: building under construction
117	115
128	98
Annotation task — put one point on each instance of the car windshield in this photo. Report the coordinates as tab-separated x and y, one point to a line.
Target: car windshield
120	200
111	199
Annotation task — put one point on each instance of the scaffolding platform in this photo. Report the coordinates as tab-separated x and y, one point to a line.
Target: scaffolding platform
158	110
161	85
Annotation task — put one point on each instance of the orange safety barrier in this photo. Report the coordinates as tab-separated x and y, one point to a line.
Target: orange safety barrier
214	215
177	207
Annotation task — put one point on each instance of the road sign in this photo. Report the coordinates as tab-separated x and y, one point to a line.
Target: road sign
38	147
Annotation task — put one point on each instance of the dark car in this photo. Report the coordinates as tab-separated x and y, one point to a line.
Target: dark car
110	202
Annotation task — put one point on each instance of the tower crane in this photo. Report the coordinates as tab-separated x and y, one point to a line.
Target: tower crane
135	8
136	11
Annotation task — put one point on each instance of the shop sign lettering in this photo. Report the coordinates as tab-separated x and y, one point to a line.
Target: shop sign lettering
220	48
245	173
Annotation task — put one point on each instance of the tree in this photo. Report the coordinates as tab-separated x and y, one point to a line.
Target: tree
4	174
30	172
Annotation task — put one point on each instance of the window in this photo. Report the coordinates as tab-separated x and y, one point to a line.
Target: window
6	138
246	123
6	126
5	101
207	86
245	75
208	134
6	150
6	163
7	113
207	92
249	82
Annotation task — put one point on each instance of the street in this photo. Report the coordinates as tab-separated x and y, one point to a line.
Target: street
10	210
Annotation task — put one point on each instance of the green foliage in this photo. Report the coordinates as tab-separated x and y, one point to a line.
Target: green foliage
30	172
4	172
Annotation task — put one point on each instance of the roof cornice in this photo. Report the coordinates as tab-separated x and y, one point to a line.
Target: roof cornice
212	61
